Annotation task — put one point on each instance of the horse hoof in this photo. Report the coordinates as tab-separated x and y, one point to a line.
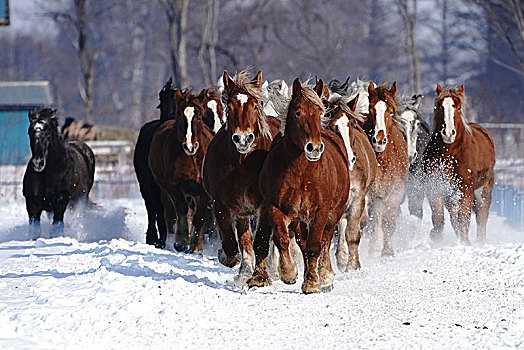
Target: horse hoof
258	281
342	266
288	281
327	288
182	248
310	288
353	265
388	253
227	260
160	245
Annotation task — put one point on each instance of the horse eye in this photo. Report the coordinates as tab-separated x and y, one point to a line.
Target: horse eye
390	114
458	109
297	113
434	107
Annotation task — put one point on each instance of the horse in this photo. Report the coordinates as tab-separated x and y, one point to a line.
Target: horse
231	168
338	89
276	93
362	172
384	133
58	173
305	184
148	187
459	162
77	130
175	159
211	100
416	133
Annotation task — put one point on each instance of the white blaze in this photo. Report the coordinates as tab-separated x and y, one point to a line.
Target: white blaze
38	126
411	133
212	105
380	108
242	98
449	113
343	127
189	112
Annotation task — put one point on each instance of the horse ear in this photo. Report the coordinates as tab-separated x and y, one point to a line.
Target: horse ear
371	88
439	89
257	80
325	93
296	87
461	89
345	85
178	96
393	90
52	113
33	116
319	88
285	89
228	83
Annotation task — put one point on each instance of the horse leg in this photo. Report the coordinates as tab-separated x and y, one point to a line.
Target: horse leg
415	199
159	217
265	253
390	219
437	217
312	253
376	212
279	222
182	228
151	233
353	232
342	253
34	213
57	228
481	207
460	216
325	270
245	239
199	222
228	254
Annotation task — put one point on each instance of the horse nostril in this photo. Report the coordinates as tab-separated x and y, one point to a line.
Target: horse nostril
374	139
453	132
250	138
236	138
195	146
321	148
384	140
354	159
309	147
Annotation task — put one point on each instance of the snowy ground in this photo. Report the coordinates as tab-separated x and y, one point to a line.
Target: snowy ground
102	286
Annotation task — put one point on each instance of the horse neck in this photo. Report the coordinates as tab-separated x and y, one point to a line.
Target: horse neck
57	150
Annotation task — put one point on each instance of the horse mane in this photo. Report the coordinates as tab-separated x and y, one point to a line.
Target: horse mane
213	92
453	92
243	82
278	101
342	103
406	104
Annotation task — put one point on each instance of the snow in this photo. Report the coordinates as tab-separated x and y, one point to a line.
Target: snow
100	285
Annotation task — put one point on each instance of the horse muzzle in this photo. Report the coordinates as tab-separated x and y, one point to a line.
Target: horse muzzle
379	145
313	152
190	150
243	141
38	164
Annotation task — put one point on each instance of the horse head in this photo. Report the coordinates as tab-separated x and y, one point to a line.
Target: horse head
304	119
242	100
189	122
167	103
382	113
411	123
43	128
344	120
210	99
449	113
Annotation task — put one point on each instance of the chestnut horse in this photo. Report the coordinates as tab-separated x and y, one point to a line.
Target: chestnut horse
362	172
459	162
176	156
211	100
387	193
232	165
305	182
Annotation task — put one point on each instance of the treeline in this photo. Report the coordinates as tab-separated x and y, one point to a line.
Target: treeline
108	60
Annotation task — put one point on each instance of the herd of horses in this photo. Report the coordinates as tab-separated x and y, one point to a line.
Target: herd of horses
267	165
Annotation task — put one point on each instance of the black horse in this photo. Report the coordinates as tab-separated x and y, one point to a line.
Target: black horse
148	187
58	173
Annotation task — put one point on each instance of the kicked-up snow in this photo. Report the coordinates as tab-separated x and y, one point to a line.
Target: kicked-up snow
101	286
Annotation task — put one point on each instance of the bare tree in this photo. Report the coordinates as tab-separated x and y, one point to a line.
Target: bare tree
408	11
506	19
207	57
176	12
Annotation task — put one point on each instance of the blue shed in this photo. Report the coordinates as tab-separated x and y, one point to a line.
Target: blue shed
16	99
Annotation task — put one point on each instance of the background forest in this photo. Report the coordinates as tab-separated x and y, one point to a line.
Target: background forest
107	60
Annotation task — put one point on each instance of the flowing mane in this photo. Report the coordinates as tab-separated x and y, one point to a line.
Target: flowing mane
342	103
242	82
453	92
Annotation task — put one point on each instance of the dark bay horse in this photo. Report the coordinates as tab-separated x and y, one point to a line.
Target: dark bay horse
387	193
362	172
211	100
416	133
59	173
459	162
148	187
232	165
175	158
305	183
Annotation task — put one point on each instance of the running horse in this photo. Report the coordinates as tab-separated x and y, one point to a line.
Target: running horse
362	172
232	165
175	158
59	172
385	135
459	162
305	185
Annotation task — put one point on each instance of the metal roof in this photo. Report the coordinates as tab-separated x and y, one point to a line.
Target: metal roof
25	94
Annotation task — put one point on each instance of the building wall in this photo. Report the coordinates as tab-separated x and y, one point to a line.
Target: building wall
14	141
